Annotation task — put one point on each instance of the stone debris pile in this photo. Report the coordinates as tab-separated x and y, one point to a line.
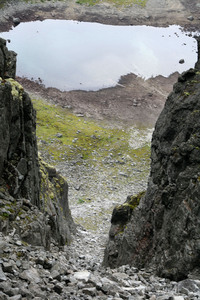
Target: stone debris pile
75	273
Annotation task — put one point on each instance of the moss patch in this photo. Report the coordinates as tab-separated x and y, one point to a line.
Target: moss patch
134	201
17	89
125	3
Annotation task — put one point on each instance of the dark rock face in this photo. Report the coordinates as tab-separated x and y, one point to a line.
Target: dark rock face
164	230
33	197
7	61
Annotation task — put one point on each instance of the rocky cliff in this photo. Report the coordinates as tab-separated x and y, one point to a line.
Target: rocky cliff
162	230
33	196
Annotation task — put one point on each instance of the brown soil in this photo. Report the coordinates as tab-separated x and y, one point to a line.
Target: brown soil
133	100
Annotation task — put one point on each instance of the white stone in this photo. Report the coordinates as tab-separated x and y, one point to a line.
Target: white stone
178	298
82	275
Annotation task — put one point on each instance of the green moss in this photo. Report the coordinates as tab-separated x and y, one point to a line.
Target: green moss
20	254
5	215
186	94
81	201
17	89
135	200
125	3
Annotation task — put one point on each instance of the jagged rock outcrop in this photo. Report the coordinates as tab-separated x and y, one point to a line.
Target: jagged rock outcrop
33	196
163	231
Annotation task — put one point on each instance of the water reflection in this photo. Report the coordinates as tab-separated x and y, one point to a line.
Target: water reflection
79	55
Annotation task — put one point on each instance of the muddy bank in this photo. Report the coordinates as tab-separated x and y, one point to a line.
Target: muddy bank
133	100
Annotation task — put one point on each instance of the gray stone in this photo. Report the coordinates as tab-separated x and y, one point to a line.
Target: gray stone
16	297
190	18
2	275
58	288
56	275
187	286
22	166
7	267
90	291
31	275
16	21
3	296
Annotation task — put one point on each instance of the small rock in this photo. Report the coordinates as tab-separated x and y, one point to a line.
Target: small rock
177	298
181	61
82	275
190	18
58	288
43	142
18	243
2	275
7	267
90	291
16	297
30	275
56	275
16	21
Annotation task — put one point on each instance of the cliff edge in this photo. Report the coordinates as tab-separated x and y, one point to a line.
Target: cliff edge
161	227
33	196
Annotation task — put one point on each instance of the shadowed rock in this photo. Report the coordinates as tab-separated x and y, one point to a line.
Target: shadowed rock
33	196
164	229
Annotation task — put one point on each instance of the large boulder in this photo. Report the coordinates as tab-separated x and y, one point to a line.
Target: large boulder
163	231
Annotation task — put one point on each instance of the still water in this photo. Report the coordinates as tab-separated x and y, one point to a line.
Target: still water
72	55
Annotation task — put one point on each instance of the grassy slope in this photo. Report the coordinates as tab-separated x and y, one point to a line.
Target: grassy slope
141	3
81	137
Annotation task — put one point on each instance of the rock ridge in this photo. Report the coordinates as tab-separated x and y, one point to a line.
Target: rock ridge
164	229
33	196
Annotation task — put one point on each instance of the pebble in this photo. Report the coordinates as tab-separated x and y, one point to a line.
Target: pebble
190	18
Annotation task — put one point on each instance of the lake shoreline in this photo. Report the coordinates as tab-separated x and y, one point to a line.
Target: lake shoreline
134	100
